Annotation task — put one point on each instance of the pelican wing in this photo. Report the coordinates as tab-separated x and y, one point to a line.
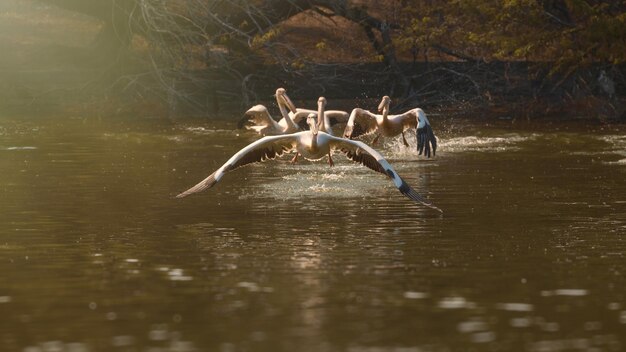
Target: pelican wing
360	122
258	118
336	117
425	136
360	152
261	150
426	141
409	119
299	117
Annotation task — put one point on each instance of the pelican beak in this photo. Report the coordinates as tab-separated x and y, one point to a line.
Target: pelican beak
312	124
288	103
321	104
384	103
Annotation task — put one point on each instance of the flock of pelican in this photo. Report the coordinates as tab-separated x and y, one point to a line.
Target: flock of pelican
309	133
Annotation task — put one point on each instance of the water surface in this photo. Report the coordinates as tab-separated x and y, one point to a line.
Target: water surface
95	255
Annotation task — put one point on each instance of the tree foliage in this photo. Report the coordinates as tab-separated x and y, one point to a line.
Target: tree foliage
186	40
568	34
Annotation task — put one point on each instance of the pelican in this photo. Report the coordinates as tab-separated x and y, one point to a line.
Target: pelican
335	117
293	119
259	119
324	124
312	145
363	122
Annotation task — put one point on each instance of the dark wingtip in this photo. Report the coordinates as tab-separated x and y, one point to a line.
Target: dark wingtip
205	184
432	138
426	141
357	131
183	194
242	122
413	195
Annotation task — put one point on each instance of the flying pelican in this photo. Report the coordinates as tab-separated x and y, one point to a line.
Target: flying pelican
259	119
363	122
313	145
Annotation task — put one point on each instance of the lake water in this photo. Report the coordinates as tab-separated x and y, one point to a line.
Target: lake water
96	255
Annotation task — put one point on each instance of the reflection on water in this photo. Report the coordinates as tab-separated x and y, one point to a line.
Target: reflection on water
97	256
617	146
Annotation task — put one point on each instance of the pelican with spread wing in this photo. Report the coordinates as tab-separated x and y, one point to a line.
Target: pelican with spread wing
259	119
312	145
363	122
332	118
293	119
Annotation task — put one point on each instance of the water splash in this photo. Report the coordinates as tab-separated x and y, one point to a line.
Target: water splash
207	131
347	181
395	148
484	144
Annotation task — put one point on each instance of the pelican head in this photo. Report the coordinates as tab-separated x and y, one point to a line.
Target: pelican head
311	120
281	97
384	103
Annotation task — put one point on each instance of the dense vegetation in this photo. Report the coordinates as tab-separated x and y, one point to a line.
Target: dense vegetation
477	53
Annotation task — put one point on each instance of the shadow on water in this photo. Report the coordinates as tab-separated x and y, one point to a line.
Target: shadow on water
97	255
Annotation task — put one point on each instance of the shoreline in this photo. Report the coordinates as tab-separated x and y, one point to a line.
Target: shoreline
77	92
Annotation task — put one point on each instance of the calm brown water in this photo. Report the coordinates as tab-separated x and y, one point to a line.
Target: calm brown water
95	255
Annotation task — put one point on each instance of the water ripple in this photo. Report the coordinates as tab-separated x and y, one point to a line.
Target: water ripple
484	144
